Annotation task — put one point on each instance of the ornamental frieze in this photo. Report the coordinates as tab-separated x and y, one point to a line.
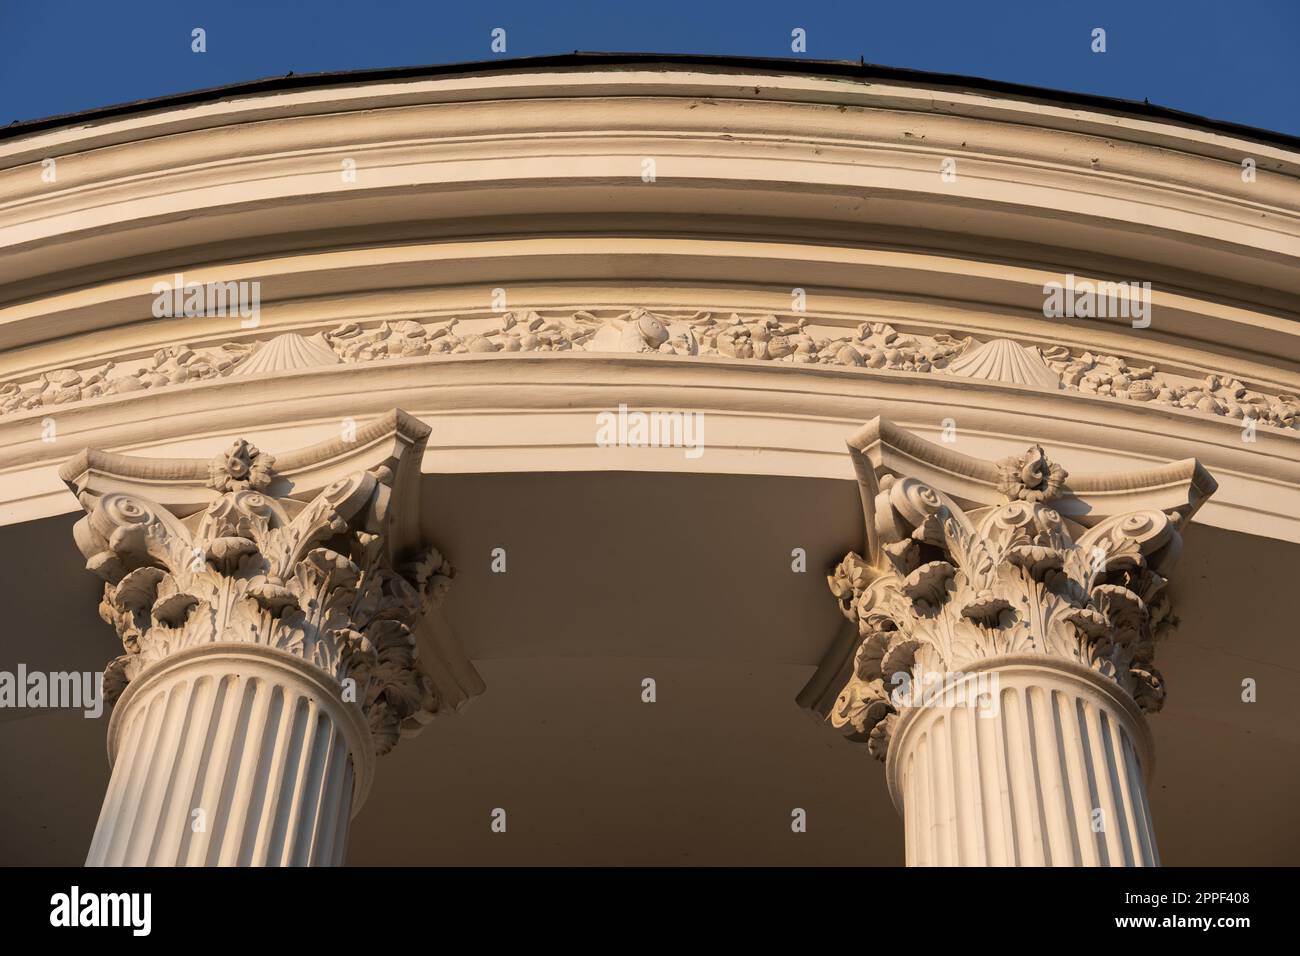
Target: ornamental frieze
767	337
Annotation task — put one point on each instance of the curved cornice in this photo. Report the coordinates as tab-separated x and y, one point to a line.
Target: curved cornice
587	59
800	148
766	180
415	279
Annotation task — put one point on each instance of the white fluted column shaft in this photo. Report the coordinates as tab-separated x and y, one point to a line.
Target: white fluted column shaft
232	755
1052	774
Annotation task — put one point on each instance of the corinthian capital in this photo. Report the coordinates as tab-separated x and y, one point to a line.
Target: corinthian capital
315	555
968	560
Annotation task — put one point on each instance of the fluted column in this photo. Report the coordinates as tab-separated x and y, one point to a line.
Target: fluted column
1021	764
269	620
1004	660
232	755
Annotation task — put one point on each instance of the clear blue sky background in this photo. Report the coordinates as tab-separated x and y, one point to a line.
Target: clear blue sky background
1235	60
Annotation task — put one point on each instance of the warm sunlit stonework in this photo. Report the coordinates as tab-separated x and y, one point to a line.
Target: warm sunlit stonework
304	352
1007	648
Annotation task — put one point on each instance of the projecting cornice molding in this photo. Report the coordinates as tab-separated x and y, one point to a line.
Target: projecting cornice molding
315	553
790	340
570	139
969	561
925	291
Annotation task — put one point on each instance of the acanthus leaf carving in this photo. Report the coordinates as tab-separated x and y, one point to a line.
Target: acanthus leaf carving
952	586
310	578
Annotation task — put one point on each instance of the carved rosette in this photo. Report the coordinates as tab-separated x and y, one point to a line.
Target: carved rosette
951	588
310	578
242	466
1031	477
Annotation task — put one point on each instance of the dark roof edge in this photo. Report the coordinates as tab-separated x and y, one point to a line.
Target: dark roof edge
731	64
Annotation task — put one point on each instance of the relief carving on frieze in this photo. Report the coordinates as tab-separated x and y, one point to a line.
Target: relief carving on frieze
874	346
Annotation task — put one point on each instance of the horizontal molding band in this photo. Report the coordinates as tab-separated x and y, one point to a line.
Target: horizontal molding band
506	413
314	287
829	159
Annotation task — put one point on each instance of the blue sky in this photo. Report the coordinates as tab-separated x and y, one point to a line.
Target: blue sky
1237	61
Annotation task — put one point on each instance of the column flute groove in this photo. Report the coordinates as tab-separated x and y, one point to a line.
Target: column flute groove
245	775
1004	661
271	629
1056	829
